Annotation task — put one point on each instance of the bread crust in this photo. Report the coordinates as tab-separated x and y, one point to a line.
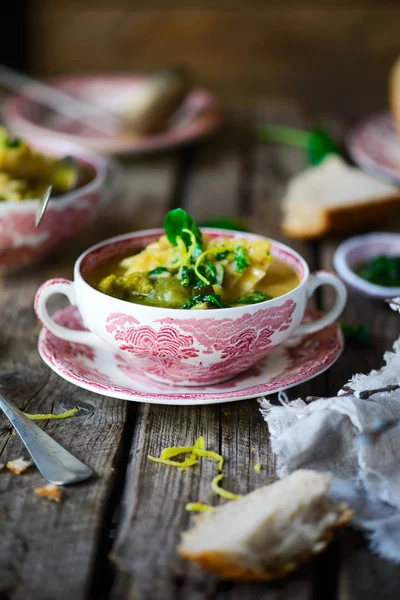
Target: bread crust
228	565
394	93
223	565
348	218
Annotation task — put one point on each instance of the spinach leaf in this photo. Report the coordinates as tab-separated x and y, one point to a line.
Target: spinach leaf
211	299
242	259
12	143
158	271
318	142
211	272
175	221
253	298
187	276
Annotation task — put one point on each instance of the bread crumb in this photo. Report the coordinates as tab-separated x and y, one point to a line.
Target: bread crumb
49	491
257	467
19	465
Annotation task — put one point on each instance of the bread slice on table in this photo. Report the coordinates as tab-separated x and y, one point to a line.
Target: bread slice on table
335	197
269	532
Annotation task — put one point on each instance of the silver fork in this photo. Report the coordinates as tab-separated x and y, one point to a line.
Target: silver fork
44	200
55	463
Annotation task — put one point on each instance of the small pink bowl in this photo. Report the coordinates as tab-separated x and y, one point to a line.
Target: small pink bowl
363	248
21	243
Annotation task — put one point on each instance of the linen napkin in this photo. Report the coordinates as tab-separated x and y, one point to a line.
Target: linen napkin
355	436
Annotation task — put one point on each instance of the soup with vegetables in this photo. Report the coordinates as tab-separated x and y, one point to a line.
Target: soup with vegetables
26	173
190	270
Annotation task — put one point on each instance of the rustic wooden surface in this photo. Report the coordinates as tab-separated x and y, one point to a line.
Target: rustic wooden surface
115	537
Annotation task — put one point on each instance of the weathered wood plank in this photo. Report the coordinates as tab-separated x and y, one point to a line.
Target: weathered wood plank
49	550
153	509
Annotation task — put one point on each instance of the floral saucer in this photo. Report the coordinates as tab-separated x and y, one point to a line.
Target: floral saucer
374	146
109	374
199	115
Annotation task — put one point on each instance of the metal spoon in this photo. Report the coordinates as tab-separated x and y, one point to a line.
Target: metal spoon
55	463
43	205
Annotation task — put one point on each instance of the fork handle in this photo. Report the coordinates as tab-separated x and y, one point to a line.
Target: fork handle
55	463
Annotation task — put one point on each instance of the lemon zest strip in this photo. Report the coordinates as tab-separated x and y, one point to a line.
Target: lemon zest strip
171	452
198	507
220	491
165	461
213	455
201	258
45	417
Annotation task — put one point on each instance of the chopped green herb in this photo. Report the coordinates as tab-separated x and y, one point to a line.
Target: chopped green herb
242	259
12	143
211	299
222	255
356	334
187	276
382	270
253	298
318	142
158	271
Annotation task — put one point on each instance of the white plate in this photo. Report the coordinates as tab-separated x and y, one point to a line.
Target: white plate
374	146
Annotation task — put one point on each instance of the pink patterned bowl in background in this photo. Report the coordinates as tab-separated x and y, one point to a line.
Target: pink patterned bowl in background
185	347
21	243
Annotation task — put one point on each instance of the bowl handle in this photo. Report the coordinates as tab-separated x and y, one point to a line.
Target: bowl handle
315	281
66	287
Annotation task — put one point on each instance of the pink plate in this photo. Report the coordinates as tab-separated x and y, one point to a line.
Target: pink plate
374	146
198	116
109	374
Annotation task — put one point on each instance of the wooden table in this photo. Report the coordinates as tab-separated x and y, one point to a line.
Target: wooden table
115	536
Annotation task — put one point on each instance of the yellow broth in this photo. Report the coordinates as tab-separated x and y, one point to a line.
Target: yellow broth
279	279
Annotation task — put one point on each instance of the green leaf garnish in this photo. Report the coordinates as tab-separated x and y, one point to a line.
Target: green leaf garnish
242	259
175	222
222	255
359	333
320	145
318	142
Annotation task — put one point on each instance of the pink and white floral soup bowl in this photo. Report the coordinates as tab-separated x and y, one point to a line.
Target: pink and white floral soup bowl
183	347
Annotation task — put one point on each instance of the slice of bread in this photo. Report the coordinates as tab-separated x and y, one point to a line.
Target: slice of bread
394	93
269	532
334	197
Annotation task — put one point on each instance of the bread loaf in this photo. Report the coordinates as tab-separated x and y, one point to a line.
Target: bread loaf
335	197
394	93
